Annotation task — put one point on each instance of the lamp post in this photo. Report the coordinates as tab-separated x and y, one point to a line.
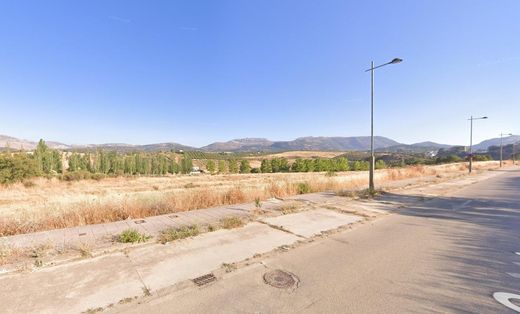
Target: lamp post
501	145
372	155
471	140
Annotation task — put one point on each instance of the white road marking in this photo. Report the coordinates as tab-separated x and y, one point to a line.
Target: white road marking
461	205
514	275
516	263
504	299
517	253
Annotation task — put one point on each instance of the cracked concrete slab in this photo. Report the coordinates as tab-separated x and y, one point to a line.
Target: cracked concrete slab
312	222
162	266
71	288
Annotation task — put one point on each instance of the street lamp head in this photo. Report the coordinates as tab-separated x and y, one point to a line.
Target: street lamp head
484	117
395	61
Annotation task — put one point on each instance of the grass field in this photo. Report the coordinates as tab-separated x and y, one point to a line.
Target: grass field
49	204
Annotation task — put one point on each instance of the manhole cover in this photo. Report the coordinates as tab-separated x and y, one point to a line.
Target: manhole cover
281	279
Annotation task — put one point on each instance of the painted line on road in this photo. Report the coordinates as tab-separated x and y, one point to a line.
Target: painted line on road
462	205
514	275
504	299
517	253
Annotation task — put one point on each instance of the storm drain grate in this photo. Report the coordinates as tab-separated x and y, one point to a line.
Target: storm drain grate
138	222
204	279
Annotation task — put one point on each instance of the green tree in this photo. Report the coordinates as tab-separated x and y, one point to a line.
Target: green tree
222	166
265	166
233	166
341	164
275	165
380	164
298	165
245	167
284	165
210	166
186	165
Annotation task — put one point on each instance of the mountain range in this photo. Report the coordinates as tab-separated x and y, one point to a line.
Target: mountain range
352	143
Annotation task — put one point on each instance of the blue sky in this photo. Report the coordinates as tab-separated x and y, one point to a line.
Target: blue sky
195	72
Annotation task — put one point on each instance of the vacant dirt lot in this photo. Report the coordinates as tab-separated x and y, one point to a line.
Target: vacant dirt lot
50	204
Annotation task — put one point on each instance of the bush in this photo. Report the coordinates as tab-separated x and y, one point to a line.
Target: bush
303	188
76	175
17	168
132	236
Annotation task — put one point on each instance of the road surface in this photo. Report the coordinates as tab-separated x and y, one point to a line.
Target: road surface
444	255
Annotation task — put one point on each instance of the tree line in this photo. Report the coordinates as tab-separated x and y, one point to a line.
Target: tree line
44	161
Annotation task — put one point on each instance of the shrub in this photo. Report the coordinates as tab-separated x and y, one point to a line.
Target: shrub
17	168
303	187
132	236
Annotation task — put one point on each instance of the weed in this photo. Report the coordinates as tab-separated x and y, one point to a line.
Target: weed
289	208
190	186
155	187
93	311
303	188
346	193
85	250
28	184
258	204
146	291
330	174
38	263
132	236
125	300
229	267
173	234
231	222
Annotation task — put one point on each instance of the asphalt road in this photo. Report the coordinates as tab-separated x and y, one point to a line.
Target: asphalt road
444	255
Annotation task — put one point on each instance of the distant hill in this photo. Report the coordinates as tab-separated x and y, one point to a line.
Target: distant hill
243	144
310	143
16	143
422	147
484	145
431	144
302	143
121	147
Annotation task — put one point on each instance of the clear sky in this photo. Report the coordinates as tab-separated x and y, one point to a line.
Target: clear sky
195	72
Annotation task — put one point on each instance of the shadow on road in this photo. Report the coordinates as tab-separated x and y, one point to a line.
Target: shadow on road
483	231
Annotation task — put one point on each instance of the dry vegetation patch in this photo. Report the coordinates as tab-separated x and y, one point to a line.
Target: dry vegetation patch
51	204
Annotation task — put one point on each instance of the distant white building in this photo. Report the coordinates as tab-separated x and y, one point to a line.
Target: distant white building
195	171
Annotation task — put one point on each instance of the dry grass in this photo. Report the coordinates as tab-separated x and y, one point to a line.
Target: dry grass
232	222
52	204
173	234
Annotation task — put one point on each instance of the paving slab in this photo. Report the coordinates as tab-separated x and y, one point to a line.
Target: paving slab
312	222
71	288
161	266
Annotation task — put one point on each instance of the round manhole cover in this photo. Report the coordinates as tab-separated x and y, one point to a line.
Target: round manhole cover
281	279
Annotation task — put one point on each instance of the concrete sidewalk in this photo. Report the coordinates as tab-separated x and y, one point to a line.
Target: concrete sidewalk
115	278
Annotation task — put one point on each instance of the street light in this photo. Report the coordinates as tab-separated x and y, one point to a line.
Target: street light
372	155
501	144
471	140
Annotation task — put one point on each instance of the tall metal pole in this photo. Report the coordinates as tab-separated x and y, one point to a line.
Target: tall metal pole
501	144
470	144
513	153
372	156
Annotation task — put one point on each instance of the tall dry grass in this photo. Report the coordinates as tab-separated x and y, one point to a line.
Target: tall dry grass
164	196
